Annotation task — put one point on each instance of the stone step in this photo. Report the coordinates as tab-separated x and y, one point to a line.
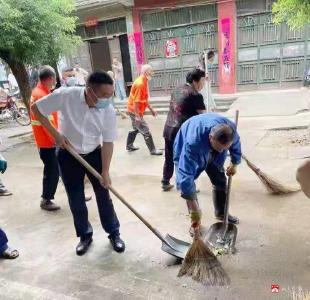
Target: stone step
164	111
161	104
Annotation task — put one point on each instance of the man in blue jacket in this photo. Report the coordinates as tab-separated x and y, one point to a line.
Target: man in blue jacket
201	145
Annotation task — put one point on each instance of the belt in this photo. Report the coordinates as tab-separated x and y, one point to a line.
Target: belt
97	148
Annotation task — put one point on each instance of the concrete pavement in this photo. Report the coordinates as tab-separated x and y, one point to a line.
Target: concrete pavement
272	103
273	239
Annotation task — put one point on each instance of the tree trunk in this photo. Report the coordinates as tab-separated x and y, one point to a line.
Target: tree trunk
22	78
21	75
58	83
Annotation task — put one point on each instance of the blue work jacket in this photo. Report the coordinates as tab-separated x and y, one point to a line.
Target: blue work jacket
192	150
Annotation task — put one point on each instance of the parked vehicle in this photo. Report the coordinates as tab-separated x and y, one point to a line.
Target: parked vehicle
10	110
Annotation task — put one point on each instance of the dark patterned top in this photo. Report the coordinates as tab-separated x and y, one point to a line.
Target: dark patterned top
185	103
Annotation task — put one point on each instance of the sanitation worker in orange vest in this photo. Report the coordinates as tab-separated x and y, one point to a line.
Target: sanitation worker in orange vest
138	102
44	141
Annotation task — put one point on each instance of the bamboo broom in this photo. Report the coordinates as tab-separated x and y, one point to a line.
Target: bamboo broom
202	265
271	184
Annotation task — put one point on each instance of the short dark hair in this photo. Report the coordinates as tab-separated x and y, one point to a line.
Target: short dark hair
46	72
195	75
223	133
99	77
210	54
65	70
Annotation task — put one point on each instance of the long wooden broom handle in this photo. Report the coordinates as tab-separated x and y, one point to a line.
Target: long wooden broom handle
98	176
226	212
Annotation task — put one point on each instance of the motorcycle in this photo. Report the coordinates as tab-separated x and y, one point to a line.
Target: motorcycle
9	110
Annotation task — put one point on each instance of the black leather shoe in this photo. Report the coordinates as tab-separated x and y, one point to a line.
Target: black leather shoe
117	243
83	246
231	219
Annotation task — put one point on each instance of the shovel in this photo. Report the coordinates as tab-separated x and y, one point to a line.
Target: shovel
222	235
170	244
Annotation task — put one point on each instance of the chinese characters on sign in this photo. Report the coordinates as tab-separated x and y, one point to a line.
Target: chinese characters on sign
91	22
171	48
226	54
139	48
136	48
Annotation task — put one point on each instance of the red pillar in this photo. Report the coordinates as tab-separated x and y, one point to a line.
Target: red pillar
227	19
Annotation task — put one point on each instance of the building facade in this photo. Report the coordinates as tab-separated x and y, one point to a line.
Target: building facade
251	51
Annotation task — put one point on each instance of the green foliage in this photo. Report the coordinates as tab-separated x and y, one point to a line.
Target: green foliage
296	13
33	31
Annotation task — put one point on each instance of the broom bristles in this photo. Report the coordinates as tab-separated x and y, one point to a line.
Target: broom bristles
271	184
202	265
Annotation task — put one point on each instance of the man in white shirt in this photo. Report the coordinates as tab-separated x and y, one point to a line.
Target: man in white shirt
87	121
80	75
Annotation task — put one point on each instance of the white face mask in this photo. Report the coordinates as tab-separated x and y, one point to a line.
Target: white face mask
102	103
71	81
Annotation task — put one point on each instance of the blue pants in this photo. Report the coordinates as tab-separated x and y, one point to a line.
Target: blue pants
50	172
73	174
120	89
3	241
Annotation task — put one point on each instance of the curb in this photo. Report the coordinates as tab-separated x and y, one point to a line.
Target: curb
19	134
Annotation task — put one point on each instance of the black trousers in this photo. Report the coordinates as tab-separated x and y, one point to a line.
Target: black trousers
168	164
73	174
50	172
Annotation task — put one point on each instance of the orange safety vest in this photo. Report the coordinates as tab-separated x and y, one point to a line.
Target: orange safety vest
42	137
139	93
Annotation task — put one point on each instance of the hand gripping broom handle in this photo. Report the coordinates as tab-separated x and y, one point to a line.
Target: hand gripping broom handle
116	194
226	211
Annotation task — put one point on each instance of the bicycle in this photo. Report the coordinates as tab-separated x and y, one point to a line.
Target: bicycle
10	111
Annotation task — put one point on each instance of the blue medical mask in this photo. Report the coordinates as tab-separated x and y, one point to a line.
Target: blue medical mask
103	103
71	81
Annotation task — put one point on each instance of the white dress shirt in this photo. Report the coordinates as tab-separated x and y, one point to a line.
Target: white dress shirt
85	128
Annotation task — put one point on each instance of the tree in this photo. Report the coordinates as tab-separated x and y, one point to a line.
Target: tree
34	32
296	13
